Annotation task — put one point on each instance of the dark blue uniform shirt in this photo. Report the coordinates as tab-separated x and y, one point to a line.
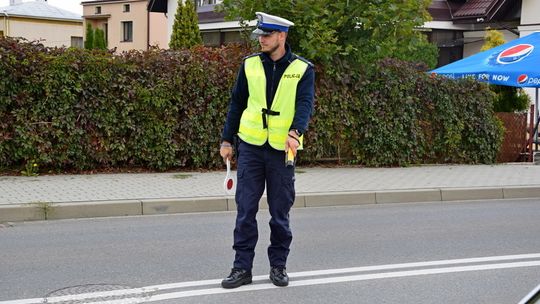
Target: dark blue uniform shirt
274	70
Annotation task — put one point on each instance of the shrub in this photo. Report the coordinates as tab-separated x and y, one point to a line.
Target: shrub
76	109
80	109
89	39
398	115
99	39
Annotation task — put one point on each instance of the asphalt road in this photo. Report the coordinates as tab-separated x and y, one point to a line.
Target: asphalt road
461	252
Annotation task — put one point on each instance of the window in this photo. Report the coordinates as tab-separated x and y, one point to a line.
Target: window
450	44
127	31
98	10
211	38
231	37
1	34
207	2
106	29
127	8
77	42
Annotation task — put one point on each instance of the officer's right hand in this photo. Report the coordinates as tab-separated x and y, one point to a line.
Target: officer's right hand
292	143
226	151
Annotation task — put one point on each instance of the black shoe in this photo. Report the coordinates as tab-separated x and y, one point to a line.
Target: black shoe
279	276
237	278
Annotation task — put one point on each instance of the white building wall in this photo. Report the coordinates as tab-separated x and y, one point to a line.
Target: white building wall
158	30
172	5
530	12
530	17
48	32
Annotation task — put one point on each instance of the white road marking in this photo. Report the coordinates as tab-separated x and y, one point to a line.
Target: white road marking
156	288
418	264
354	278
121	301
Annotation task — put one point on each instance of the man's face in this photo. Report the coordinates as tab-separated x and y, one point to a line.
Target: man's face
270	43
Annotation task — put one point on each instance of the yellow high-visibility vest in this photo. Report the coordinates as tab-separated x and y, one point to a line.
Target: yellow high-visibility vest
259	124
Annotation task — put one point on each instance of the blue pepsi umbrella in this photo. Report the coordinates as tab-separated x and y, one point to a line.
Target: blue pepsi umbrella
516	64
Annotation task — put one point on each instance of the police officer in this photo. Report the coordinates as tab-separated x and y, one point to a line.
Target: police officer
271	104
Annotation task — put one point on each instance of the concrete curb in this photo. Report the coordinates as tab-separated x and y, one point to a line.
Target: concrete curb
52	210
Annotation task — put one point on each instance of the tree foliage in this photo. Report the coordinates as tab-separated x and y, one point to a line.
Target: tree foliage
359	32
89	42
186	27
510	99
492	39
99	40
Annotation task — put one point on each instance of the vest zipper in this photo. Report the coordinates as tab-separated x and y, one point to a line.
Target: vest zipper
272	101
272	87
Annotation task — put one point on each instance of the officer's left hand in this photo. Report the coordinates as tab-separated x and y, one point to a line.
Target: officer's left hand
226	151
292	143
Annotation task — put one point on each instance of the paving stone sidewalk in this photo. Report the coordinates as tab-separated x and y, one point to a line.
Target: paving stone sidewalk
310	182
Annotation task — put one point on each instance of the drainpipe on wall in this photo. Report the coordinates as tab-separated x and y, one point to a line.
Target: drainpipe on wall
450	10
147	29
6	23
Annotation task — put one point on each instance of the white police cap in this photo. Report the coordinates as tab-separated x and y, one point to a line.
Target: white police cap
266	24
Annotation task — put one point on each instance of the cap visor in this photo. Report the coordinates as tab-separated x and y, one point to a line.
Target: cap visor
259	32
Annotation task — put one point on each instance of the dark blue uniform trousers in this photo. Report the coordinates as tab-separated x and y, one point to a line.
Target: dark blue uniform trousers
258	165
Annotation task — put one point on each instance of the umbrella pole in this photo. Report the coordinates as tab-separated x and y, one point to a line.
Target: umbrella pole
537	118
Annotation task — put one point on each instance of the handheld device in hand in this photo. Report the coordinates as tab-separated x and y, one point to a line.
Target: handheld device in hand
289	158
228	184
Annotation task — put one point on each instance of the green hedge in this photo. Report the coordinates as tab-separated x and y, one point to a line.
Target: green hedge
73	109
76	109
397	115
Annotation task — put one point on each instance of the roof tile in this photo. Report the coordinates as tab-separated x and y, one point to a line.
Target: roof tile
39	9
475	8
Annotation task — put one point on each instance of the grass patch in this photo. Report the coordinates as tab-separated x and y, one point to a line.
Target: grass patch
182	176
45	207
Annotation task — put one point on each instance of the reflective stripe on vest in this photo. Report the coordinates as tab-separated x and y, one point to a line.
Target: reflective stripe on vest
259	124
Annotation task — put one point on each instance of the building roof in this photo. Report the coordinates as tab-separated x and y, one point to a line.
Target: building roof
442	10
157	6
485	9
475	8
40	10
208	14
90	2
473	11
205	14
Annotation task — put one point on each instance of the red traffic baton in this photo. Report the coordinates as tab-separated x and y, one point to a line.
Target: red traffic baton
228	183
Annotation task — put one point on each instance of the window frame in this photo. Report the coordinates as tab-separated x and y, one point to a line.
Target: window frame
79	42
127	25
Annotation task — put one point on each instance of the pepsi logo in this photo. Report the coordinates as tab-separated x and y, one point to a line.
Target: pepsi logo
515	53
522	78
